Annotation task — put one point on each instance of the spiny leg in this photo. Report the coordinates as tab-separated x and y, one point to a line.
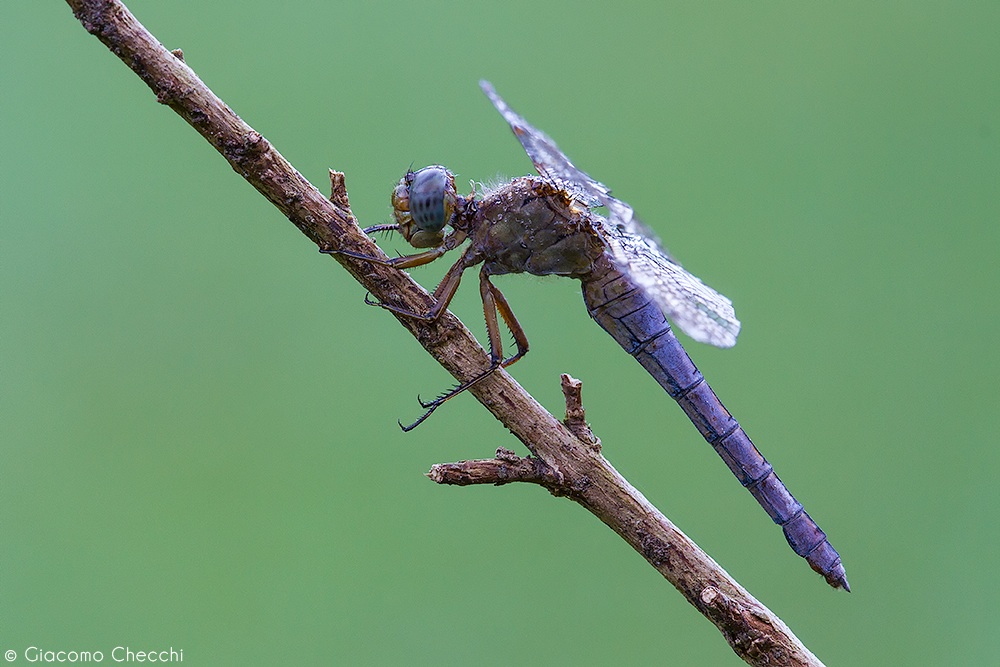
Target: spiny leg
520	339
442	295
450	242
404	262
493	302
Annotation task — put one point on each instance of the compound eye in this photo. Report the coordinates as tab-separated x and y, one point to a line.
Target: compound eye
432	195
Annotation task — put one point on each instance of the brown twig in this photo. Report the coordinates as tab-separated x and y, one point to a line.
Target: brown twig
507	467
566	458
575	417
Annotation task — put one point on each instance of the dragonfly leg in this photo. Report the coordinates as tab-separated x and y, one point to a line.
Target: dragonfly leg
445	290
431	406
493	302
442	295
499	303
450	242
404	262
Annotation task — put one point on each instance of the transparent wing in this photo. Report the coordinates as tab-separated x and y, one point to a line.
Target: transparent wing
550	162
694	307
697	309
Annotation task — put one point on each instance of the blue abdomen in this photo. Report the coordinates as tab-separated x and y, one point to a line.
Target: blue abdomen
624	311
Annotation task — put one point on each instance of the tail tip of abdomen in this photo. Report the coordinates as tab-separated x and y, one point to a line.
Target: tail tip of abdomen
837	578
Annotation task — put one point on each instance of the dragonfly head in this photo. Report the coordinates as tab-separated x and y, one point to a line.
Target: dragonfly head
423	202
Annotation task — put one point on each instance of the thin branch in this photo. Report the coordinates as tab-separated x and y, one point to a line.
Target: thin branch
566	458
507	467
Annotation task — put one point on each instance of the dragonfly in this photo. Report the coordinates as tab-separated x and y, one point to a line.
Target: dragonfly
563	222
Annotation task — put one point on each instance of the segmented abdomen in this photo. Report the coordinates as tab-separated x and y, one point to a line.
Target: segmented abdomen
624	311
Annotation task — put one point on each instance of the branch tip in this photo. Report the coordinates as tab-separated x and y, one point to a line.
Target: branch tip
338	194
507	467
338	189
575	419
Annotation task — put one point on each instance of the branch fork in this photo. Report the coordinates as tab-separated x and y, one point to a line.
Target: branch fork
508	467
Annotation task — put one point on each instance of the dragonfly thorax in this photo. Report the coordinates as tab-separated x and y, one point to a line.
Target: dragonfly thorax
423	202
532	226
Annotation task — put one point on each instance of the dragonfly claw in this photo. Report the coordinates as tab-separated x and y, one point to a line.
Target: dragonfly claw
420	420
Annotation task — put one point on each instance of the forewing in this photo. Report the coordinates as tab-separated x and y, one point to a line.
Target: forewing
550	162
697	309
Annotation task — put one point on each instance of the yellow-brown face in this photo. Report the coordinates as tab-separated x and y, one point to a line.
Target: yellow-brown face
423	202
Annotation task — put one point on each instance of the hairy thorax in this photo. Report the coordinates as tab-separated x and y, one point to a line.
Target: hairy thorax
530	226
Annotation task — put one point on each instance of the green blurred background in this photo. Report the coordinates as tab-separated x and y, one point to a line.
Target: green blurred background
198	413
